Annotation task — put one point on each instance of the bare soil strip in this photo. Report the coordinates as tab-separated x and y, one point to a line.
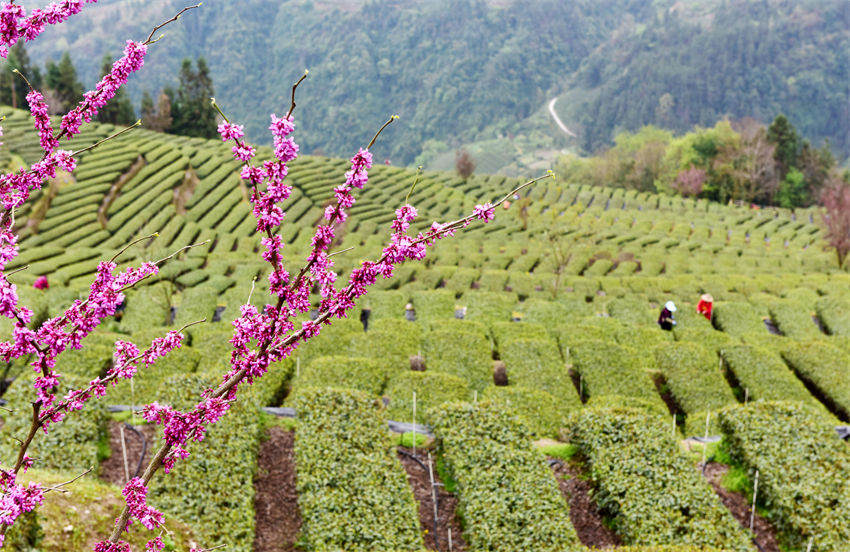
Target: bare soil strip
764	533
420	482
584	514
112	469
278	519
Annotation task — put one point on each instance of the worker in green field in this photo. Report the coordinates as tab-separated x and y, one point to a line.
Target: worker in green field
665	320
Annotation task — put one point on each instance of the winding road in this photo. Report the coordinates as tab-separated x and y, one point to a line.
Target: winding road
558	120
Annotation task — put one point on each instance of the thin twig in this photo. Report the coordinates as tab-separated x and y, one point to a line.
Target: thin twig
132	243
59	486
138	123
163	24
380	130
415	181
180	251
19	269
340	251
25	79
294	86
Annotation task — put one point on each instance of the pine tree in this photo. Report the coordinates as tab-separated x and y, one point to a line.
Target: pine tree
13	89
62	81
191	110
782	134
119	110
157	118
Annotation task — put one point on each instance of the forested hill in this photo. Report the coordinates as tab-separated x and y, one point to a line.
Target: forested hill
461	71
700	61
450	68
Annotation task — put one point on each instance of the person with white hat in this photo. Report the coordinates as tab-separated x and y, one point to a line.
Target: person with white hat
666	319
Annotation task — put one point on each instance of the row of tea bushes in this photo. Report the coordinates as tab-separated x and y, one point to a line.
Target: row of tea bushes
352	491
507	496
649	489
824	368
802	467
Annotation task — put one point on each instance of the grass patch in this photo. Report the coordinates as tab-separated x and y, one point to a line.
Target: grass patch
449	482
562	451
268	421
407	440
85	514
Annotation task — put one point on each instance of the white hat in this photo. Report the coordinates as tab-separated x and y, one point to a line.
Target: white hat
670	306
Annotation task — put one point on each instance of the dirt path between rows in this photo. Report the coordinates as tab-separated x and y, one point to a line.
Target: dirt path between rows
584	514
765	534
420	482
112	469
278	519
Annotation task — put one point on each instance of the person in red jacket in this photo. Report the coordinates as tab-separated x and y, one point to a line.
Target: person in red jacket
706	301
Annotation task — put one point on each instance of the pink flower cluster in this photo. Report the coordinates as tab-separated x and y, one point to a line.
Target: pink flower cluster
133	60
135	493
57	334
14	23
16	499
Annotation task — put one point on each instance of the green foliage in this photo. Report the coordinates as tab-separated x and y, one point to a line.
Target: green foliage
190	108
824	367
432	389
541	412
462	354
693	375
352	492
608	369
738	318
536	364
62	79
71	445
765	377
489	307
793	318
651	492
793	449
363	374
834	313
507	496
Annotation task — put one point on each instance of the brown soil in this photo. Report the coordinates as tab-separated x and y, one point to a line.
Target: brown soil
584	514
763	531
278	519
420	482
112	469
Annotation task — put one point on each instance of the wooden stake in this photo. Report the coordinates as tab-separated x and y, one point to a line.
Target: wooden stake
705	442
809	547
414	423
673	433
755	493
124	452
450	539
433	497
746	395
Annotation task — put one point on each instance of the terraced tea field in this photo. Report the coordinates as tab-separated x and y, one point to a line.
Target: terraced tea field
558	299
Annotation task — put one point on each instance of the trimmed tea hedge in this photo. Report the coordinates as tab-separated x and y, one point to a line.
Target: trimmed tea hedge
540	411
507	496
694	377
536	364
825	368
651	492
738	318
462	354
764	375
608	369
803	469
794	319
363	374
432	389
352	491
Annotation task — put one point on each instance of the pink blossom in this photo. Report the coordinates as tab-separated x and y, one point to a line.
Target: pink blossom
485	212
41	283
230	131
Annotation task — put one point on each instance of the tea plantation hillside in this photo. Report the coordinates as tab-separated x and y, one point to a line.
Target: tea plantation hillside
558	297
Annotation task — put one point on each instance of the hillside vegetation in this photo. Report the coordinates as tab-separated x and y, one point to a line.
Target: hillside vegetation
562	289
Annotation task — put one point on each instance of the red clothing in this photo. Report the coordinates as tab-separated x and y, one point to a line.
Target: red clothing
704	308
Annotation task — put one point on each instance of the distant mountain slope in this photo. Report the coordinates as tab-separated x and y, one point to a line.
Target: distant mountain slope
699	61
454	70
